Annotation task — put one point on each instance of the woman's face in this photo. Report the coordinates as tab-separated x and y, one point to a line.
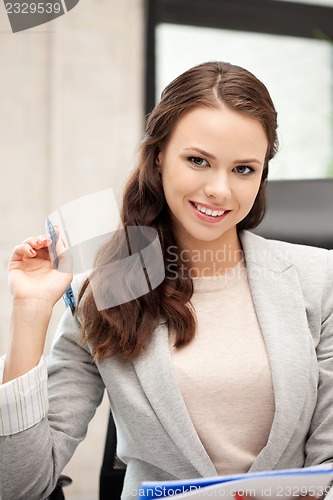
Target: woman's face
211	169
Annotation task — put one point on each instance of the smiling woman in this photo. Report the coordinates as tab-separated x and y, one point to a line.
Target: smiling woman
226	366
208	195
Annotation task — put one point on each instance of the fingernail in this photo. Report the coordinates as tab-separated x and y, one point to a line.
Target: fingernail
238	496
32	251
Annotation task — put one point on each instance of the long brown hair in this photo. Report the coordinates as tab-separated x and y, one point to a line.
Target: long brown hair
126	329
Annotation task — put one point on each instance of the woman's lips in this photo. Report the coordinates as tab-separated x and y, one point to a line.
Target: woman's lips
210	214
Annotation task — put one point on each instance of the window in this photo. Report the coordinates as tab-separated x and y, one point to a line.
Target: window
287	45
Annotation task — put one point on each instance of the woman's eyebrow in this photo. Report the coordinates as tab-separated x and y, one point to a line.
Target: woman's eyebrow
212	157
249	160
201	151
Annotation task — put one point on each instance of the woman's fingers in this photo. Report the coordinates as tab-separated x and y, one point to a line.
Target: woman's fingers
39	241
308	497
23	250
40	246
65	261
30	247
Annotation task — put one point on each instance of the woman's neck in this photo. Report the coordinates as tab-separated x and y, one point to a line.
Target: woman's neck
211	258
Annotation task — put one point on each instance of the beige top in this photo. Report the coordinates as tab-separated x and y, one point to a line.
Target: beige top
224	373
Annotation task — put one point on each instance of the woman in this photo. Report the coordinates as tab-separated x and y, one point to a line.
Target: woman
227	365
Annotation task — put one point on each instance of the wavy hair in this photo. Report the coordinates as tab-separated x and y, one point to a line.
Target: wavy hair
126	329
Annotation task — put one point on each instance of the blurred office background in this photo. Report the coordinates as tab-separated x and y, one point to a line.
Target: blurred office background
74	93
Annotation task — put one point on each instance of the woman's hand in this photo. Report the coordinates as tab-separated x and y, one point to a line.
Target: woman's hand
308	497
302	497
36	286
31	274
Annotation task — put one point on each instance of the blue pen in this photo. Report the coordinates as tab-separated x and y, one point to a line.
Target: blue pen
68	296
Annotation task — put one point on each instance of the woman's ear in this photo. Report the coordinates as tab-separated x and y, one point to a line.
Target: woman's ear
159	161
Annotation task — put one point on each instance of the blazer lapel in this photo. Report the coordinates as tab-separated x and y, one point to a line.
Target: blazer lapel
279	305
280	309
155	372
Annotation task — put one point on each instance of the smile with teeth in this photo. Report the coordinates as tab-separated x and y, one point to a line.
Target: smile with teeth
208	211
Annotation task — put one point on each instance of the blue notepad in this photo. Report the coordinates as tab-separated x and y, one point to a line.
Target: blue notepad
288	483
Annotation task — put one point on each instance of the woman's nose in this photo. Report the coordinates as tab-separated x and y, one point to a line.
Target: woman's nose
218	187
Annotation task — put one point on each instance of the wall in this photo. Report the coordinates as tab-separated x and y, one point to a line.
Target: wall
71	113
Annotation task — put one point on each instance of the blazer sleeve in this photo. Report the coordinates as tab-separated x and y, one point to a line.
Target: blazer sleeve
32	460
319	446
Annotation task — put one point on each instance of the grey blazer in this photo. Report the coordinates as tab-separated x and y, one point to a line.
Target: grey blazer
292	290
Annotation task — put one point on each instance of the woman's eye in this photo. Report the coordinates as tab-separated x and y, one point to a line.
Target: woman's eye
197	161
244	169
